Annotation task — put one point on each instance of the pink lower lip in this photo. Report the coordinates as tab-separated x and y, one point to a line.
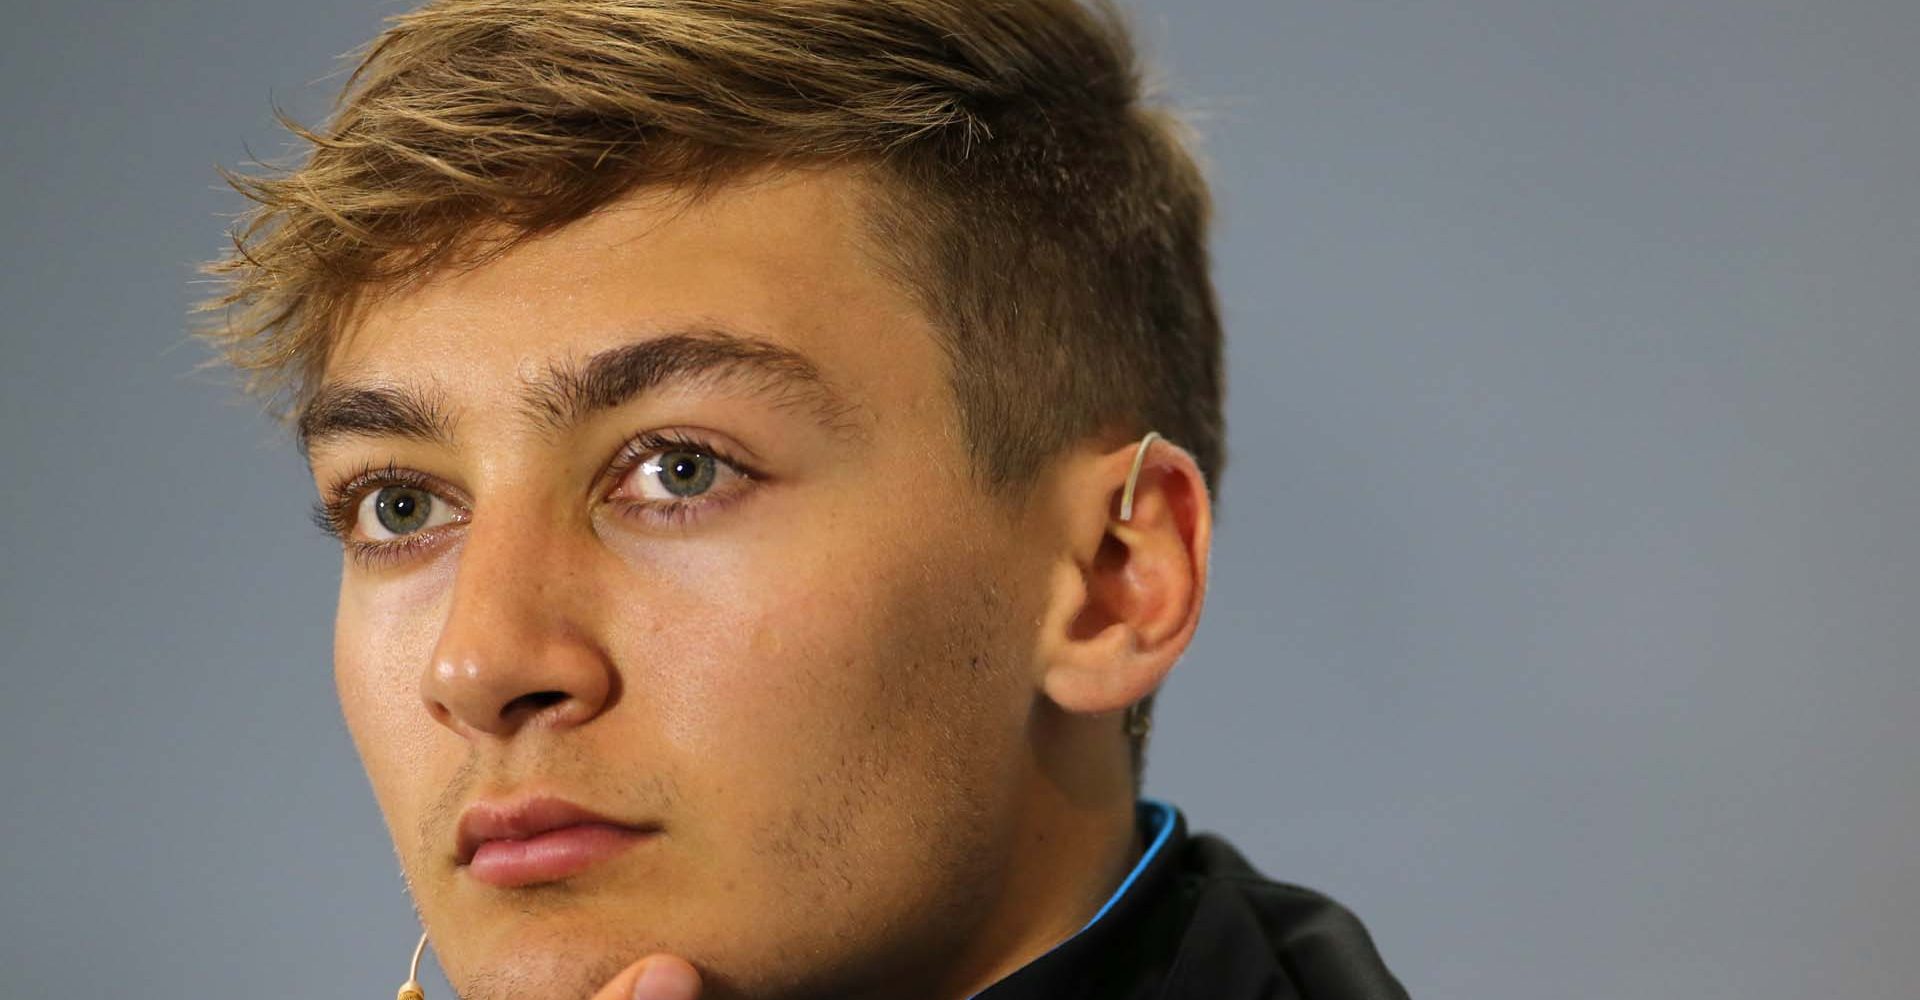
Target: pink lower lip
550	856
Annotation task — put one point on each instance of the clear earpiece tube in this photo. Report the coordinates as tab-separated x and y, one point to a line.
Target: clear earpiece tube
1133	475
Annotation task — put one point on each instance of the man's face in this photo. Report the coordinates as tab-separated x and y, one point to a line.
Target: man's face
669	515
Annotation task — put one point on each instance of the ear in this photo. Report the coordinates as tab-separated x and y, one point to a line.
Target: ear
1125	596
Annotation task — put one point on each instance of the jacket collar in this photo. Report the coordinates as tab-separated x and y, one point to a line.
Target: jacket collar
1107	948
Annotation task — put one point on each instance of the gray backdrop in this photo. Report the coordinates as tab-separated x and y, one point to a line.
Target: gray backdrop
1565	598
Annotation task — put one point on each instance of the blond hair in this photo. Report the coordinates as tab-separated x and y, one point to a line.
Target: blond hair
1051	222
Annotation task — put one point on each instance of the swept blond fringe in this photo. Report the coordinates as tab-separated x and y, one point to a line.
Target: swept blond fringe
1054	227
1052	224
527	115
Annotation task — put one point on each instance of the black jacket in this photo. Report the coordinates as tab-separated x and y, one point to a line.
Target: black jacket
1196	922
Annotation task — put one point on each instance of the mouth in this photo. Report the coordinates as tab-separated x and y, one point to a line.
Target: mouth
532	841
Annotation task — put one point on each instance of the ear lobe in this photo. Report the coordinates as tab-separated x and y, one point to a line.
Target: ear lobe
1127	606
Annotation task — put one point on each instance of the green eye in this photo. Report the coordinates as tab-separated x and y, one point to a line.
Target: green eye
680	474
392	511
402	509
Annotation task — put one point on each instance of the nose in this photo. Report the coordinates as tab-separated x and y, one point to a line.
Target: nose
516	648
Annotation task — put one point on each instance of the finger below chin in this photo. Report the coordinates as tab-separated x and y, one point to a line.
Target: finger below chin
656	977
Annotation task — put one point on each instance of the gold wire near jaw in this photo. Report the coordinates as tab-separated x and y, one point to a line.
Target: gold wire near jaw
411	989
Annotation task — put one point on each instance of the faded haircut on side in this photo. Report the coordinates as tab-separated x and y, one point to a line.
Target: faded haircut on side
1050	221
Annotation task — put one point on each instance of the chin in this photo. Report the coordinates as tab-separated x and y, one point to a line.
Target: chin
554	972
533	948
573	957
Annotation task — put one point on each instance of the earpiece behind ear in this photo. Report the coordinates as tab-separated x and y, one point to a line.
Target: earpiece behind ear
1129	580
1133	475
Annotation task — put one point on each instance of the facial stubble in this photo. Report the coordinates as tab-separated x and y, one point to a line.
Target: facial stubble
919	774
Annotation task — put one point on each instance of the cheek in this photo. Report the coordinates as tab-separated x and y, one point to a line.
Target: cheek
748	656
812	692
383	636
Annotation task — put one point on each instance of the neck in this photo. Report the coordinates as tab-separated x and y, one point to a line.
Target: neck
1074	839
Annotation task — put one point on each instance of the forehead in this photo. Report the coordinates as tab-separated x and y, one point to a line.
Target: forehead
781	257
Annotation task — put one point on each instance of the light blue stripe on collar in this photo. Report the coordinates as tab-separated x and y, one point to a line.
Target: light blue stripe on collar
1160	821
1159	817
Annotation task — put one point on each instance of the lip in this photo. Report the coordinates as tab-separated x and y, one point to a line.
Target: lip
541	839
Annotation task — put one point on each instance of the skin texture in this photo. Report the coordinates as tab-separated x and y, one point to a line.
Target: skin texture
869	712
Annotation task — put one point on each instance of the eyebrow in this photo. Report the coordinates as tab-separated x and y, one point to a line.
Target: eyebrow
569	393
373	409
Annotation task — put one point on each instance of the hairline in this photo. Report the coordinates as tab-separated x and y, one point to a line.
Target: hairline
886	237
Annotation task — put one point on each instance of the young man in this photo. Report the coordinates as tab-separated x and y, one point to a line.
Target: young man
758	568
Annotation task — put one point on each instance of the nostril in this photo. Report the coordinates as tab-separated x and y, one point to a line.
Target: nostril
533	703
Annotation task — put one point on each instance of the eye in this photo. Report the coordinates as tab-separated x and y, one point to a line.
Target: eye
672	479
677	474
393	511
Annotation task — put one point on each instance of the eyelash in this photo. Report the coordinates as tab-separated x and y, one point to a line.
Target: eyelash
337	511
672	513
